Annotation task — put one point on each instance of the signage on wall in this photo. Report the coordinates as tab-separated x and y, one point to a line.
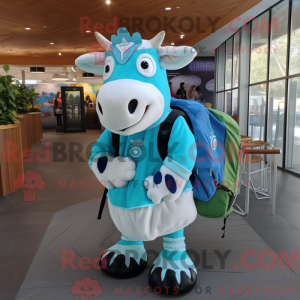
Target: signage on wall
202	66
200	73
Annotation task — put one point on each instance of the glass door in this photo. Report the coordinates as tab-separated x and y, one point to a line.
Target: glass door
73	109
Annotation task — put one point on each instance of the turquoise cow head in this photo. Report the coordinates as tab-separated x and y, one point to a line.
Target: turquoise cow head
135	95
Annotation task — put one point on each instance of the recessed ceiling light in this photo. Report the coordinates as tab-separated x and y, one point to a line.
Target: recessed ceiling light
51	43
181	37
172	44
27	28
168	8
59	53
107	1
177	7
88	31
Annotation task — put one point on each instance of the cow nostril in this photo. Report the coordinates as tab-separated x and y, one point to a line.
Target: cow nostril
100	108
132	105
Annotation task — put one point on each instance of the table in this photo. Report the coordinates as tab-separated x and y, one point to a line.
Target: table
245	138
273	165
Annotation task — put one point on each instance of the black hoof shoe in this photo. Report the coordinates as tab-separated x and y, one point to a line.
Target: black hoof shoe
170	286
118	268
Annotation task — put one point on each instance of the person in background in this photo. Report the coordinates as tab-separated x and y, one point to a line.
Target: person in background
58	108
200	97
88	100
171	90
181	91
192	94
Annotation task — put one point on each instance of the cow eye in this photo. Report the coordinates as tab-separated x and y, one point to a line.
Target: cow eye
146	65
108	67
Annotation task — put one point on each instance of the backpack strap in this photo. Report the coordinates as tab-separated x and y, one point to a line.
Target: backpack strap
116	145
165	130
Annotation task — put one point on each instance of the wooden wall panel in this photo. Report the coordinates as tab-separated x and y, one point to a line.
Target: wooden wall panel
10	167
36	131
25	128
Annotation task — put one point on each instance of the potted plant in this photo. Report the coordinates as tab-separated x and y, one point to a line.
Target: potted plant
8	93
31	97
10	134
22	103
35	117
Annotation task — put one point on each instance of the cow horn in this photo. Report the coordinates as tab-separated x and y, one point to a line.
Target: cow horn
105	43
158	39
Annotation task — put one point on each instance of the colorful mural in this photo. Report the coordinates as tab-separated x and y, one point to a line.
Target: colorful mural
47	94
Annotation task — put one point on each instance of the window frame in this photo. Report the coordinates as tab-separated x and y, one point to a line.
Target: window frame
287	76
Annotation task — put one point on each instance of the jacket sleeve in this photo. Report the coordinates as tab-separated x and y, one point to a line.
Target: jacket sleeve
103	147
181	149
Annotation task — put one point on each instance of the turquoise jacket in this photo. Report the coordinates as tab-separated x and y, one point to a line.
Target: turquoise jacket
142	148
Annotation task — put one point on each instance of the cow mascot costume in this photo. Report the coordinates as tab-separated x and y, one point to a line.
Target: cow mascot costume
148	196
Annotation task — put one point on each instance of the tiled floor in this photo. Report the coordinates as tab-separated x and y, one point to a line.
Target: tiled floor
23	224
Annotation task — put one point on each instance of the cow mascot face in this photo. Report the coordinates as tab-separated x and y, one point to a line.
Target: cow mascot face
148	195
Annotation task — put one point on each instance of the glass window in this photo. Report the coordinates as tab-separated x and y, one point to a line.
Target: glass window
235	103
295	39
220	101
228	103
221	67
276	107
259	46
236	60
228	73
292	157
279	29
257	111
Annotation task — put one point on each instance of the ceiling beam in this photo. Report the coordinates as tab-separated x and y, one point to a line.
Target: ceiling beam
37	61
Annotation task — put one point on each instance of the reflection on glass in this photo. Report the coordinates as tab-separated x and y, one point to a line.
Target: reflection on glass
295	39
73	110
259	45
228	102
235	103
236	60
228	64
292	157
279	30
221	67
257	111
220	101
276	106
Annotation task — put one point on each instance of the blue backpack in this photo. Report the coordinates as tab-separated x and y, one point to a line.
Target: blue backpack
216	169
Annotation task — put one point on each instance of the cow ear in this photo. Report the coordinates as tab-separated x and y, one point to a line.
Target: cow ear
92	62
174	58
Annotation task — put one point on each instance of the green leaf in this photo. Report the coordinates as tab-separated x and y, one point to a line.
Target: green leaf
6	68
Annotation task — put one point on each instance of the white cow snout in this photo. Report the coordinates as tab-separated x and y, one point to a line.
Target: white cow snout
127	106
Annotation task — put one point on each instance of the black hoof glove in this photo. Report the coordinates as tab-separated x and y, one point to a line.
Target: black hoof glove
170	286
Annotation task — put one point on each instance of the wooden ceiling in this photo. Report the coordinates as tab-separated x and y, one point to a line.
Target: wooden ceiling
58	22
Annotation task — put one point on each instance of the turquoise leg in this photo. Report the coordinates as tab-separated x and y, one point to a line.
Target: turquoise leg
176	234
